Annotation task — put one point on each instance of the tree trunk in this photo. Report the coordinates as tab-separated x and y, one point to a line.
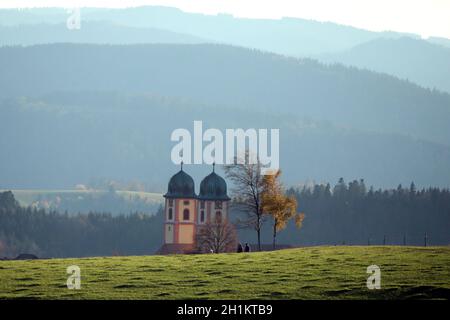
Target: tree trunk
259	233
259	239
258	221
274	235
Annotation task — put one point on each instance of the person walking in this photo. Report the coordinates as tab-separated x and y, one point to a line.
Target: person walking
247	248
239	247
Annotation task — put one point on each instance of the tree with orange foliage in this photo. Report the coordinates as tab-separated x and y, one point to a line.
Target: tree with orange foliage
278	205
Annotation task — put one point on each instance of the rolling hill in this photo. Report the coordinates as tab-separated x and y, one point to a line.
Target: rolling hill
67	109
418	60
92	32
407	56
235	77
291	36
85	201
303	273
60	140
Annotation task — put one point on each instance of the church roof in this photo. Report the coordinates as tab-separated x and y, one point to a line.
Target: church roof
213	187
181	185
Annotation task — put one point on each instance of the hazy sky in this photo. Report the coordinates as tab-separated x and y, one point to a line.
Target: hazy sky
424	17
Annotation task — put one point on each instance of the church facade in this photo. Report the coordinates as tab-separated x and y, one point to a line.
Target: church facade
185	212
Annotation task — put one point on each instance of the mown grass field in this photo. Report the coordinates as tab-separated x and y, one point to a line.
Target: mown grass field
304	273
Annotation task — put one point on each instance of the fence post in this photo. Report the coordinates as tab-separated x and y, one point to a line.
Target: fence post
384	240
404	239
426	239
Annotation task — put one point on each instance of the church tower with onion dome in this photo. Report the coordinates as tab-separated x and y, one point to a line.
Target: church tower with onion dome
180	214
212	199
185	212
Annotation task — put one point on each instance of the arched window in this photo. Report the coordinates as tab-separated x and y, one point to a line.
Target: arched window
170	214
202	216
186	214
218	217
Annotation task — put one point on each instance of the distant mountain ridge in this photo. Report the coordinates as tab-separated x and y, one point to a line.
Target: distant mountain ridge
420	61
231	76
92	32
413	58
291	36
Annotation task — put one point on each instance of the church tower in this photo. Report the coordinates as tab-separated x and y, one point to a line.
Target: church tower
185	212
180	215
213	199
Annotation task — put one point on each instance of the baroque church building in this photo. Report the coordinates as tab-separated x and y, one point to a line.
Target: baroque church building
185	212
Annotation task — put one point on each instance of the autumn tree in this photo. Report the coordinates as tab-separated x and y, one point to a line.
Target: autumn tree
278	205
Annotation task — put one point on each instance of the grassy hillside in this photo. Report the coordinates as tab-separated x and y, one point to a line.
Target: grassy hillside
28	196
84	201
304	273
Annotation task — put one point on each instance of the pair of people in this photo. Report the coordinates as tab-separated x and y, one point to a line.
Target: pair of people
241	249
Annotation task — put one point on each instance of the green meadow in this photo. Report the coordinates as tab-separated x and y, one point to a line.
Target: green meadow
327	272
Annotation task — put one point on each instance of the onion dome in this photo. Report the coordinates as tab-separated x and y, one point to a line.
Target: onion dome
181	185
213	187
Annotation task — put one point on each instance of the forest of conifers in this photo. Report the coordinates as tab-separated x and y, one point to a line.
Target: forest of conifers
350	214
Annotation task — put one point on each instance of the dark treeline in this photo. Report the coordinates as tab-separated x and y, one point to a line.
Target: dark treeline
51	234
354	214
350	214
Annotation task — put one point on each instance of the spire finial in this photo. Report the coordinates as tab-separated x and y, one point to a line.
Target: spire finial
181	165
214	165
